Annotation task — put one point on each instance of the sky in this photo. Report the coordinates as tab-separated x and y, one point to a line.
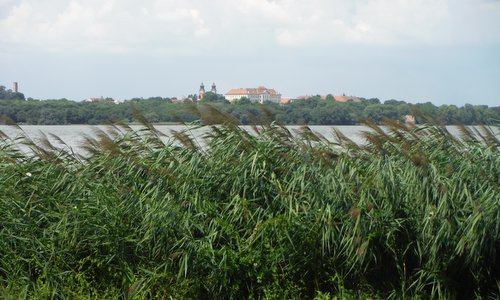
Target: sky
442	51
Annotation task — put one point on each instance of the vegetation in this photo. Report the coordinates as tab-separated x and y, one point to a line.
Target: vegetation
414	213
311	111
9	94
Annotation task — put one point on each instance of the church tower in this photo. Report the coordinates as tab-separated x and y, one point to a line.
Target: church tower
214	89
201	93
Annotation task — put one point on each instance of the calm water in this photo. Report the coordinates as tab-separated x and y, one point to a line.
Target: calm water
72	135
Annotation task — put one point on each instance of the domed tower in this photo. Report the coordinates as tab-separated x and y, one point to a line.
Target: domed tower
201	93
214	88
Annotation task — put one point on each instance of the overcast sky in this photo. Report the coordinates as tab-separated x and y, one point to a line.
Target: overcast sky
443	51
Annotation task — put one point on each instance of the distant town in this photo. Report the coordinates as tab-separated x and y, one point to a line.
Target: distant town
259	94
245	105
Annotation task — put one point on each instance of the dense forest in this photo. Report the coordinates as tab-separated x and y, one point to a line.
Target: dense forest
310	111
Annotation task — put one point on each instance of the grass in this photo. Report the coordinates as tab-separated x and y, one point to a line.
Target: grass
413	213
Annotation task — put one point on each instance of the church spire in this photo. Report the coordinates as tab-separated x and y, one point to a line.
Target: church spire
201	93
214	88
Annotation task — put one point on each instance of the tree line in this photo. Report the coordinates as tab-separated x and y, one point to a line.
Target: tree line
310	111
9	94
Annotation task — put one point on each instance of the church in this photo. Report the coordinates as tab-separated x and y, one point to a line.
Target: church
201	93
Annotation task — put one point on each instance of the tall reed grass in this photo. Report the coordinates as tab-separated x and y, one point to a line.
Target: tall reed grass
413	213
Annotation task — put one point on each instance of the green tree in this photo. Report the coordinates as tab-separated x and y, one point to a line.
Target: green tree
212	97
9	94
243	101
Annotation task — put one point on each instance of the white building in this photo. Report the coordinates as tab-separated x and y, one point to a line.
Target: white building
260	94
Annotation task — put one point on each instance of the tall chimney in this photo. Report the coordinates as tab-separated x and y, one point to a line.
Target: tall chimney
14	87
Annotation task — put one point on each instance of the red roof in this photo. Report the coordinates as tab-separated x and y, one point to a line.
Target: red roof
252	91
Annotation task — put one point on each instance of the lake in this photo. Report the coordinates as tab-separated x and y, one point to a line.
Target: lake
72	135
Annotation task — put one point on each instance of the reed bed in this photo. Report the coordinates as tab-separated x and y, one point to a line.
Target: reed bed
413	213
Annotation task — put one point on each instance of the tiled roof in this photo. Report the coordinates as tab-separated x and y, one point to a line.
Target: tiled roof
252	91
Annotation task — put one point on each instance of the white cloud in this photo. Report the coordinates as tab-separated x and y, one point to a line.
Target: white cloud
102	25
176	26
366	22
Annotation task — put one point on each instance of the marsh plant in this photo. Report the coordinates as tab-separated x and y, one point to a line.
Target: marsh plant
262	214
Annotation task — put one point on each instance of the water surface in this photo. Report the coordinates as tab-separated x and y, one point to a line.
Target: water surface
73	135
